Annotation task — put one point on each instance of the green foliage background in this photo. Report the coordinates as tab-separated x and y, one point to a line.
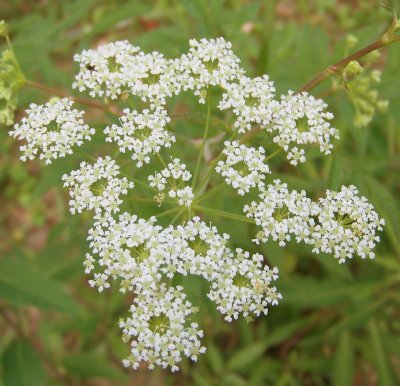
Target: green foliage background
337	324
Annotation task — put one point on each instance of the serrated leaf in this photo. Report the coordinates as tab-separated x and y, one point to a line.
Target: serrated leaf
21	365
21	283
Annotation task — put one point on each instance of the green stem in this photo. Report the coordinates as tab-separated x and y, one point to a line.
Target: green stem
203	143
179	214
274	154
168	211
209	193
221	213
159	156
136	181
205	180
14	57
84	154
151	200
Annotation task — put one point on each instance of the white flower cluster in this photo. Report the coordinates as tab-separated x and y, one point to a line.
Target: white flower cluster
347	225
244	166
142	133
209	62
175	174
128	249
161	333
282	214
244	287
300	119
96	186
249	100
342	223
51	130
140	254
202	249
119	68
105	70
116	68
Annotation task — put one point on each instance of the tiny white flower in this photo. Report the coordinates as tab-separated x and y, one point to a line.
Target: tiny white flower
209	62
160	329
243	288
175	175
96	186
244	166
142	134
282	214
347	224
298	120
51	130
104	71
249	100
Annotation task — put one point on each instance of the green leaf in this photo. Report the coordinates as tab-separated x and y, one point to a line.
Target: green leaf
214	358
382	363
360	315
387	206
21	365
344	361
283	331
303	291
91	365
233	380
21	283
121	12
245	357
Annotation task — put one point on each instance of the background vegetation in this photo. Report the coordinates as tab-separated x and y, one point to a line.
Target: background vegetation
337	324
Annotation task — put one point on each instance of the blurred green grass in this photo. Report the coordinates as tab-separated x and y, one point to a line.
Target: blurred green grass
337	325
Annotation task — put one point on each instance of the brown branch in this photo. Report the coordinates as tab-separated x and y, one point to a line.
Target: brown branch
341	64
83	101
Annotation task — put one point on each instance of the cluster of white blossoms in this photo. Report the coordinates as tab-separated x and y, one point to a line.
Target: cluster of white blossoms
244	287
244	166
202	249
282	214
142	134
175	175
250	101
209	62
96	186
142	256
162	335
105	70
347	225
128	249
121	69
51	130
298	120
342	223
